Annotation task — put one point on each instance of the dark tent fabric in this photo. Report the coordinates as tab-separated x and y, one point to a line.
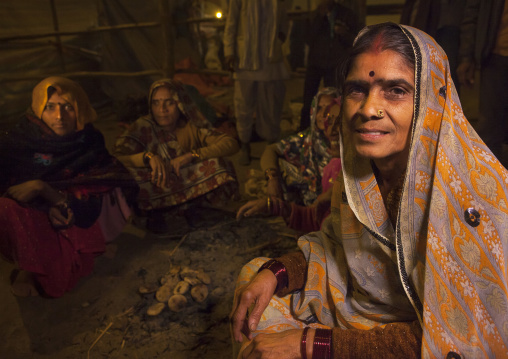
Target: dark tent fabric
131	50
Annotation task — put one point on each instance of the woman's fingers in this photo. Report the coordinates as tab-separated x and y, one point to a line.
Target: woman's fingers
258	292
255	315
245	210
239	316
161	176
57	219
159	172
177	168
251	208
241	212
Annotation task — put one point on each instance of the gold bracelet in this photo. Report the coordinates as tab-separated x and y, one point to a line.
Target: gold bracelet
195	154
271	173
147	156
269	204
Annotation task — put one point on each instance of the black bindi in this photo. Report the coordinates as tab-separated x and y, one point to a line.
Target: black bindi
372	73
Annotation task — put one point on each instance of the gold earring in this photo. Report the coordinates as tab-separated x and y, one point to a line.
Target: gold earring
380	114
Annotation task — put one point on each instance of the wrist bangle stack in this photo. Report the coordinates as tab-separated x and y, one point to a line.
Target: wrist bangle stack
195	154
147	156
271	173
303	343
322	347
280	272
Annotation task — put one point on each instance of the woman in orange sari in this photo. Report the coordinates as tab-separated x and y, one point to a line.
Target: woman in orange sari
411	261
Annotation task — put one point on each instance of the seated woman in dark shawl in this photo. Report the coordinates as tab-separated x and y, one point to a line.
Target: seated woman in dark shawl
175	156
60	189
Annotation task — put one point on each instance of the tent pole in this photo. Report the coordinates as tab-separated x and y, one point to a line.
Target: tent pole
168	39
57	37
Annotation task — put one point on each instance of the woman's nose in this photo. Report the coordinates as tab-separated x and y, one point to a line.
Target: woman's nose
372	106
58	112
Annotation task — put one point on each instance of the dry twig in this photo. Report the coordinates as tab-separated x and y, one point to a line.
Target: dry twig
98	338
178	245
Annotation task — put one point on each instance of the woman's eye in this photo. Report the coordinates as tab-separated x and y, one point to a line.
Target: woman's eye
397	92
68	107
356	91
50	107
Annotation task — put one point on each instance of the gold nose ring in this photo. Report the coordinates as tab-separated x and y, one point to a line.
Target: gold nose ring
380	114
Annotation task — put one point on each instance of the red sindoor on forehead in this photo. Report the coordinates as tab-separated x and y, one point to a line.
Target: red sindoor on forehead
377	43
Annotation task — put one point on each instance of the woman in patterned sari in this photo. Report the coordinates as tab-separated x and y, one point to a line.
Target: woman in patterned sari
175	156
294	166
411	262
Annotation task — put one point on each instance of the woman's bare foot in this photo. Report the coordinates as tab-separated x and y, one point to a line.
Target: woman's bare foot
23	284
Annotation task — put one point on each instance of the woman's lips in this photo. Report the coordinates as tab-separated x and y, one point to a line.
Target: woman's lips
371	133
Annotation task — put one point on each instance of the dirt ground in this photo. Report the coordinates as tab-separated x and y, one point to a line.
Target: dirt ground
105	316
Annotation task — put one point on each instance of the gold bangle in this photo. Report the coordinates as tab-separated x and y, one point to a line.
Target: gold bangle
195	154
271	173
269	204
147	156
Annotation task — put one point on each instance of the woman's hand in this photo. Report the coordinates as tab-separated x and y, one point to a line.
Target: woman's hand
25	192
180	162
281	345
61	217
252	208
258	292
274	187
160	170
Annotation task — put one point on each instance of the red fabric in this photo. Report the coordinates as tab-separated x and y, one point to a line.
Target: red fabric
330	173
305	219
204	83
57	258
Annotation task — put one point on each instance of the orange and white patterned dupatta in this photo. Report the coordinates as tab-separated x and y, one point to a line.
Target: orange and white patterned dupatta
453	271
433	266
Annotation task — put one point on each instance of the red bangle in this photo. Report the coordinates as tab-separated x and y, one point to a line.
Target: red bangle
303	343
322	347
280	272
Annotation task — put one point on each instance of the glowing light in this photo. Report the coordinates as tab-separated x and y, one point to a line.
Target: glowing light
218	14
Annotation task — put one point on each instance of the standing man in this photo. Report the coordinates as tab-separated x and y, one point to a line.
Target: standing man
484	42
253	37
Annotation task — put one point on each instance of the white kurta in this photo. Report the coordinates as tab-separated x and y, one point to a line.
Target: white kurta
252	36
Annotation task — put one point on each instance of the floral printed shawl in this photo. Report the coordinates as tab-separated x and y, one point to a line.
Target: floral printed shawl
196	178
438	264
309	150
